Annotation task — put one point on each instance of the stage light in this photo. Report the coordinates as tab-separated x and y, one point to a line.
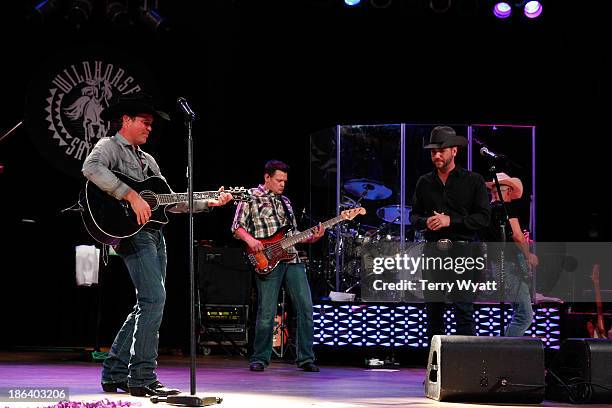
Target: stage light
533	9
79	12
502	9
352	3
380	3
154	20
43	11
117	13
440	6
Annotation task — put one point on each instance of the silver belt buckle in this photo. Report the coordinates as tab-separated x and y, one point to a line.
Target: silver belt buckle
444	244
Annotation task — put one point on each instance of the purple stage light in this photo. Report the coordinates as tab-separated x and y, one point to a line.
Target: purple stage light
533	9
502	10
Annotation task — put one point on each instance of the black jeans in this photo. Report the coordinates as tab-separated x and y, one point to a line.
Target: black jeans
436	300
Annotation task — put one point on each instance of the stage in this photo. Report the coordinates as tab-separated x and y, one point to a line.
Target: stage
281	385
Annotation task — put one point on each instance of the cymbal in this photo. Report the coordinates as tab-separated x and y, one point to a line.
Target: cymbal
367	189
391	213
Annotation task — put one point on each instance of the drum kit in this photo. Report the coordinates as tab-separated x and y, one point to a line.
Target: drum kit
353	241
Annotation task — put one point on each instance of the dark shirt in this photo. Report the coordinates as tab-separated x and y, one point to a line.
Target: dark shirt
464	198
494	232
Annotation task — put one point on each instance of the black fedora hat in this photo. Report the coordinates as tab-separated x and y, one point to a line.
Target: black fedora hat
132	104
444	136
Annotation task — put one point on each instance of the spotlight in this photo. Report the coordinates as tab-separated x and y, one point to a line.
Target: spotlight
154	20
79	12
502	9
440	6
352	3
380	3
43	10
533	9
117	13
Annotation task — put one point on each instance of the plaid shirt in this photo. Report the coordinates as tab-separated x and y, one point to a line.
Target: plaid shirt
264	215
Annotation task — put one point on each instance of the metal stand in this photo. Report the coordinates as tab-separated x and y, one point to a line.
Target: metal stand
7	134
282	327
14	128
97	354
191	400
502	225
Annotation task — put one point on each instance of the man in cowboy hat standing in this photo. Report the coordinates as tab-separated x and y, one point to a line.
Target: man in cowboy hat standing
131	362
518	259
451	204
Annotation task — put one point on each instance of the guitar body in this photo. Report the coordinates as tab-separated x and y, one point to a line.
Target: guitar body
108	220
267	259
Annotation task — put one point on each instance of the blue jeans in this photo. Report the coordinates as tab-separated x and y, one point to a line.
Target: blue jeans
296	284
517	291
133	355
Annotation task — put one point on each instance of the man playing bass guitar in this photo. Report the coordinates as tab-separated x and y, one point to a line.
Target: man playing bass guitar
268	212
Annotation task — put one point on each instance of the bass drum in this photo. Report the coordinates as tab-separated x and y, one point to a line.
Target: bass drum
391	250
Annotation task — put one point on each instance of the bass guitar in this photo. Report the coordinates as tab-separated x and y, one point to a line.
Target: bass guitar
275	246
109	220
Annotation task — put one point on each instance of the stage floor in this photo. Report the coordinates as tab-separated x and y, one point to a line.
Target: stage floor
281	385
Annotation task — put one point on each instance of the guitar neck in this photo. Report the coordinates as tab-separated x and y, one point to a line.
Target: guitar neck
598	305
176	198
304	235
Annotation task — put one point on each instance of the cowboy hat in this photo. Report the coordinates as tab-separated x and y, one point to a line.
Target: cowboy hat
505	180
444	136
132	104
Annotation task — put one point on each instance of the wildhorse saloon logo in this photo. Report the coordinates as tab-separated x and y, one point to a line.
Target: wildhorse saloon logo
77	97
63	109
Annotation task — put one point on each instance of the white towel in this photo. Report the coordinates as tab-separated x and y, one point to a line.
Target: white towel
87	265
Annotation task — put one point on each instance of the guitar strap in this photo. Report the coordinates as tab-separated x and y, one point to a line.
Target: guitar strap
288	213
146	169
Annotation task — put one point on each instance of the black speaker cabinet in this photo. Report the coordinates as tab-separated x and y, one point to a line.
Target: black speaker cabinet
581	372
224	276
485	369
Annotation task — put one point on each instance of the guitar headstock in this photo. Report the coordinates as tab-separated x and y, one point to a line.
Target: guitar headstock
595	274
352	213
240	194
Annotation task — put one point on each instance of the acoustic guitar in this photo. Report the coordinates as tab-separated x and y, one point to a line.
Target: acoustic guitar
109	220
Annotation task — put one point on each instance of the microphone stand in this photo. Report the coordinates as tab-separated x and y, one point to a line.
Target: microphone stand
190	400
14	128
504	222
7	134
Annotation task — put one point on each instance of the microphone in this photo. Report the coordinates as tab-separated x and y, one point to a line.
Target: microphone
184	106
488	153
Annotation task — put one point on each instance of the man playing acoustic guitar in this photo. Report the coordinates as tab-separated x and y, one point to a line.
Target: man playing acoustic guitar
130	365
265	215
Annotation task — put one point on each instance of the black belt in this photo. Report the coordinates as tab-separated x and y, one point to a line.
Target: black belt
446	244
151	229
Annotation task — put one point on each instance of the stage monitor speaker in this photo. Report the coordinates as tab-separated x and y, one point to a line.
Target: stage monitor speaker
485	369
224	276
580	372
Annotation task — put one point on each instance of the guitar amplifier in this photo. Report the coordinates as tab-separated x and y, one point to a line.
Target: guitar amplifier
224	325
224	276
